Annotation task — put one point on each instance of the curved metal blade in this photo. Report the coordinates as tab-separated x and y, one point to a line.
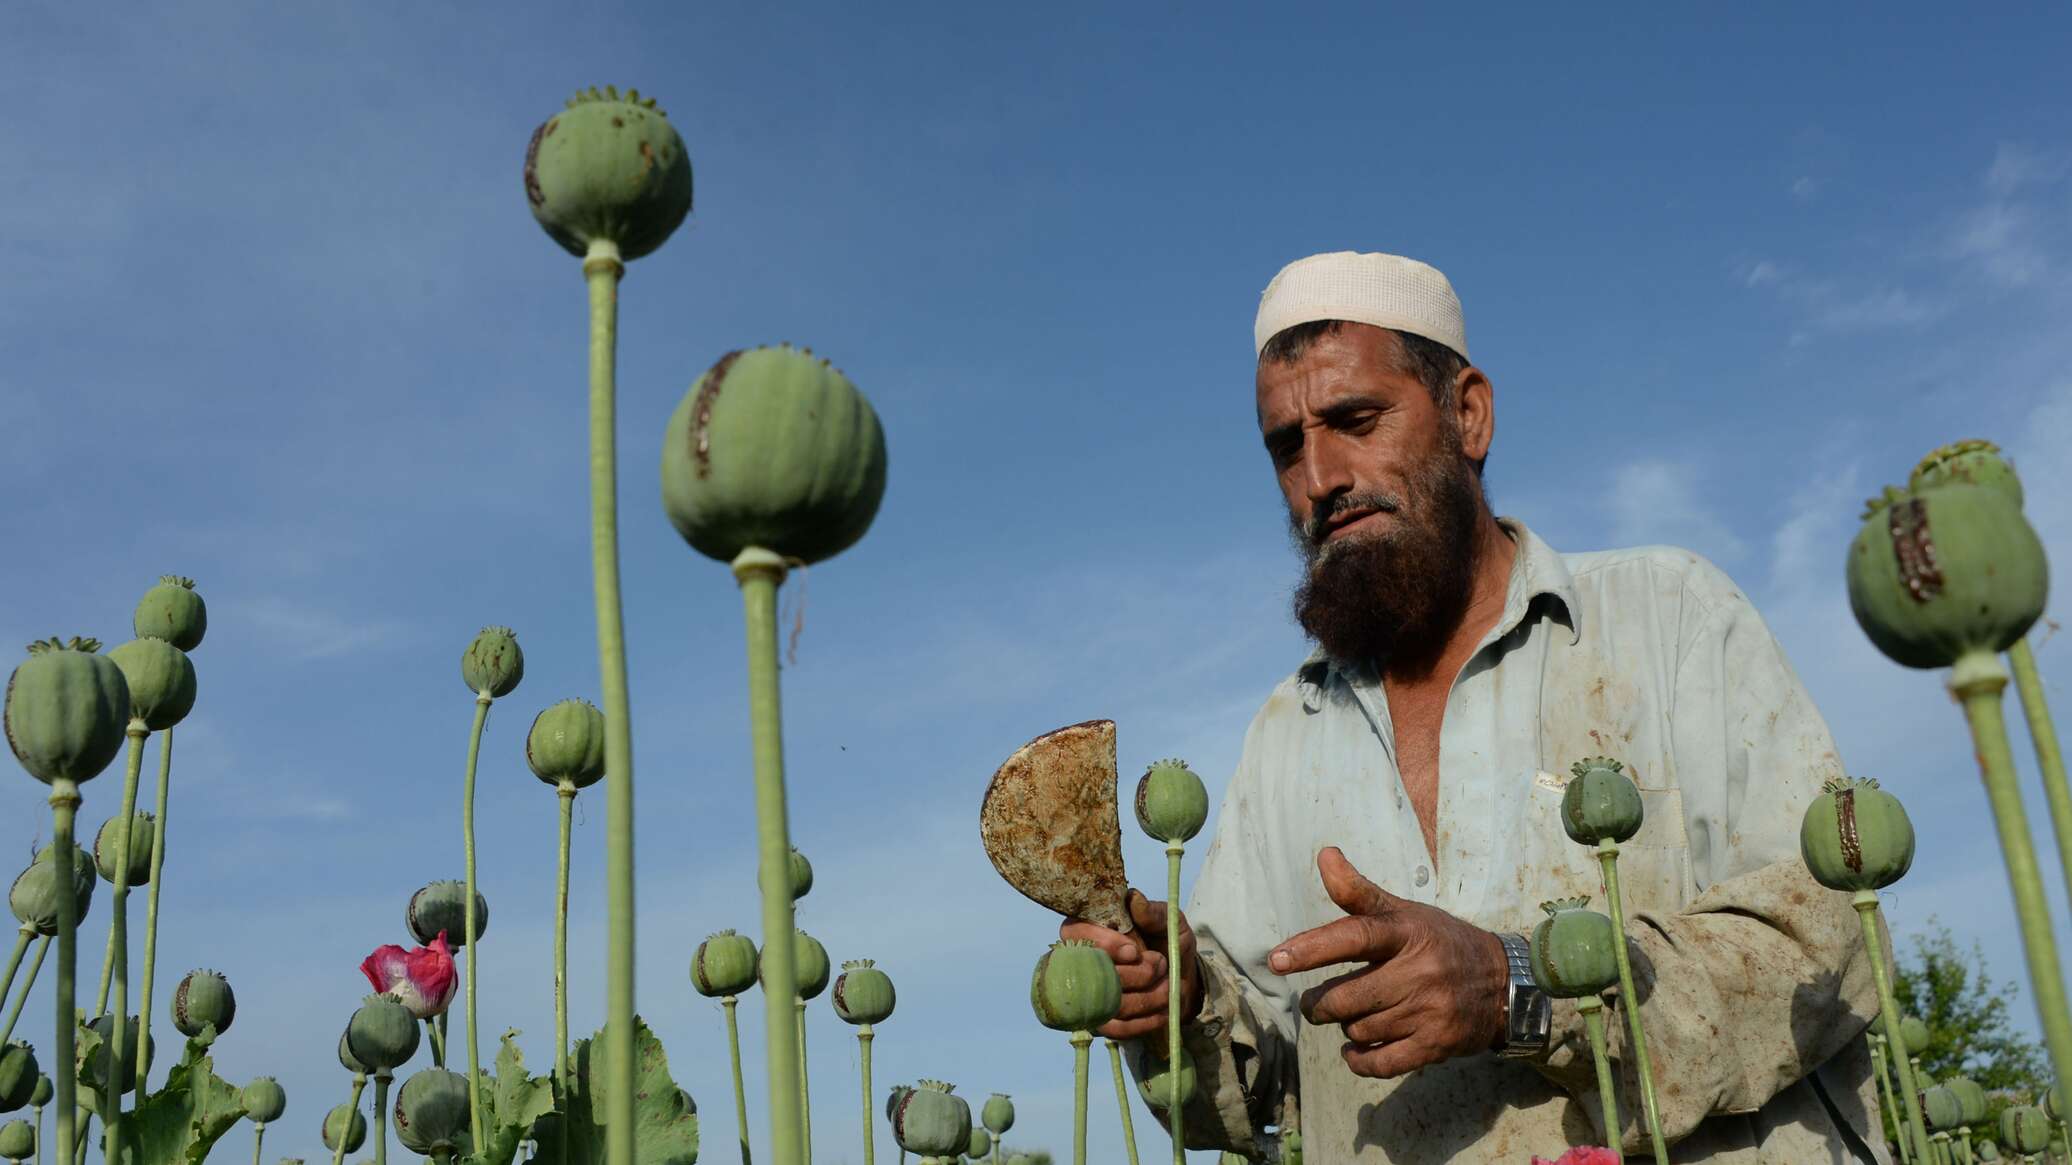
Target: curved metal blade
1049	824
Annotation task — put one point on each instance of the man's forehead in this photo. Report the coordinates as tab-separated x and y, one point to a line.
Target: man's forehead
1343	361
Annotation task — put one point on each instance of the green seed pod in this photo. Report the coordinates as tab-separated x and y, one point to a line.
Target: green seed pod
44	1091
107	849
2052	1106
863	994
348	1061
1943	1108
383	1034
203	1000
161	681
980	1145
1172	803
17	1140
67	711
773	448
801	875
492	665
173	612
1947	571
2025	1129
1156	1085
264	1100
1075	987
1856	836
1971	1098
432	1113
17	1075
566	744
725	964
101	1066
895	1097
998	1113
1913	1035
1968	462
932	1122
1985	1150
345	1122
1574	951
34	897
813	965
442	907
1601	803
608	169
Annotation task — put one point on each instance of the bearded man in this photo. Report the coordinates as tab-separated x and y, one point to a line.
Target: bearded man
1353	964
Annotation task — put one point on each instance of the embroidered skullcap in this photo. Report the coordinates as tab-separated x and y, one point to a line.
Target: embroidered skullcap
1387	291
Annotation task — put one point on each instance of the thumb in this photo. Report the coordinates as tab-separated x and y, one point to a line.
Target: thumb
1145	914
1353	893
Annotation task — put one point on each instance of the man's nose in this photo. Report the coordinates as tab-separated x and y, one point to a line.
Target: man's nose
1329	473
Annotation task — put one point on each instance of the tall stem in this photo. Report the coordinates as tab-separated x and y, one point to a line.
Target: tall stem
1592	1008
1978	680
1629	1001
352	1107
2050	759
1122	1102
472	938
805	1084
258	1138
760	572
118	1055
727	1002
567	793
602	268
14	959
28	984
436	1036
381	1087
165	788
1866	903
1890	1101
1174	1105
863	1044
1080	1042
64	807
39	1131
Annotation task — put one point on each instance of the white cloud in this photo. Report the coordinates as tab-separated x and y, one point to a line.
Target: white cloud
1661	501
2015	166
301	631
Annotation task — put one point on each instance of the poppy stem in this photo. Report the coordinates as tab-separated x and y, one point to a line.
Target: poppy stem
1122	1102
1080	1042
1592	1007
863	1044
165	784
28	984
64	807
381	1087
118	931
352	1109
470	935
728	1002
1629	999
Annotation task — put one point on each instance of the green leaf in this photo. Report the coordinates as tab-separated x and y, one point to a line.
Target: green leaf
512	1102
181	1122
665	1127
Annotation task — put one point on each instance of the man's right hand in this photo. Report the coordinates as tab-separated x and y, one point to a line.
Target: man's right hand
1140	960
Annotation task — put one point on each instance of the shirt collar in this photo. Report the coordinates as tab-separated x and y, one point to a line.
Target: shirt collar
1537	570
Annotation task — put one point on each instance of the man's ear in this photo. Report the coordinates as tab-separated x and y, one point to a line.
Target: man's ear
1474	403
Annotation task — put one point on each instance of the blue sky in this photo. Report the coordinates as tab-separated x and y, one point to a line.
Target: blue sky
277	318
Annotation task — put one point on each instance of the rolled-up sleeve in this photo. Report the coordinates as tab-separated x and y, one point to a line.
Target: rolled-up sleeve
1759	976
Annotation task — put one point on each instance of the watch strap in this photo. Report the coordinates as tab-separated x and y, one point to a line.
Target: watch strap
1528	1012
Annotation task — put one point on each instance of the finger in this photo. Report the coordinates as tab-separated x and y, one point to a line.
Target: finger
1121	948
1353	893
1147	915
1387	1061
1362	938
1143	974
1137	1004
1394	1025
1132	1029
1342	997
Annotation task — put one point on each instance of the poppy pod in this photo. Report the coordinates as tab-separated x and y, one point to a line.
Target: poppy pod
608	169
932	1122
725	964
1600	802
1574	950
1944	572
863	993
67	710
1856	836
172	611
1075	987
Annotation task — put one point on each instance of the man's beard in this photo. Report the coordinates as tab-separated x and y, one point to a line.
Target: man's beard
1394	598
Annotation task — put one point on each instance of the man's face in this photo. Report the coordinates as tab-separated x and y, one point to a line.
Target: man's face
1382	499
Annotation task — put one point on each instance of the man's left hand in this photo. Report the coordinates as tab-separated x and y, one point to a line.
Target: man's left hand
1433	987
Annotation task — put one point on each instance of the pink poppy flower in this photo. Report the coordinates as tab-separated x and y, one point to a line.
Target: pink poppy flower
421	980
1582	1155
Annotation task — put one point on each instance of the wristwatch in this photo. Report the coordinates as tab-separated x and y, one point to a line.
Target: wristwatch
1528	1013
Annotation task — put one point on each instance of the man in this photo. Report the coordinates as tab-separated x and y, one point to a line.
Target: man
1392	824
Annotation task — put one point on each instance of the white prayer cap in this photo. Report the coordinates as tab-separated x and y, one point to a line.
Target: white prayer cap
1387	291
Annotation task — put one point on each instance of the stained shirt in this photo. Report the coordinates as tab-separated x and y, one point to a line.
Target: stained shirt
1754	986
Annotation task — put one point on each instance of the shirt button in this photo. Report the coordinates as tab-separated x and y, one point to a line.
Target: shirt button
1423	875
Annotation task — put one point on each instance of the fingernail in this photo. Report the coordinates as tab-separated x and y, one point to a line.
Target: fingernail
1278	960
